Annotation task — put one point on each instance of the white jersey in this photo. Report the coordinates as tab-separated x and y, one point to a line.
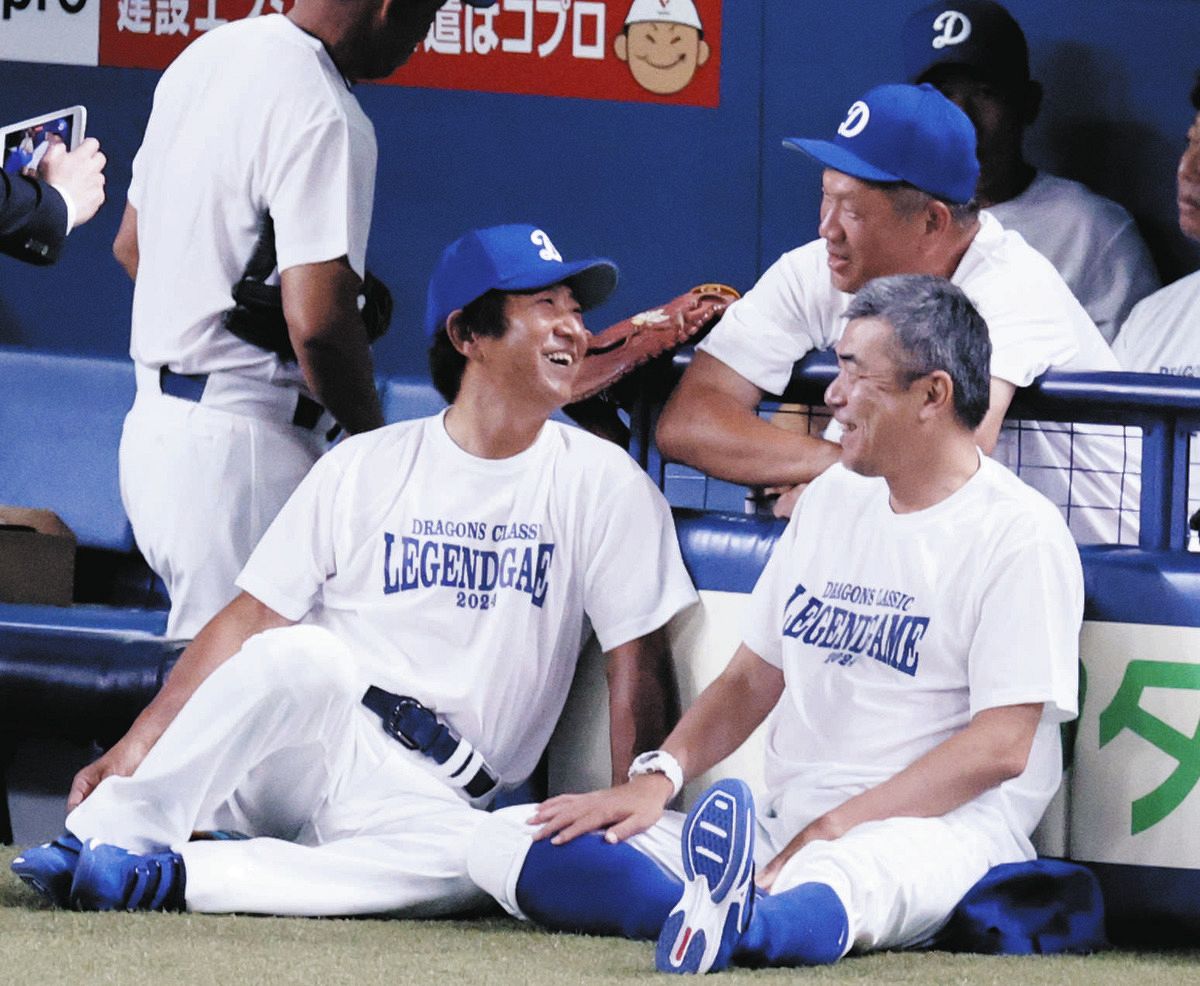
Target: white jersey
1035	324
277	130
463	582
893	630
1092	242
1161	334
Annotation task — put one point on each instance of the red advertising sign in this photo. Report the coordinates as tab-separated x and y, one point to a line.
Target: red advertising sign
658	51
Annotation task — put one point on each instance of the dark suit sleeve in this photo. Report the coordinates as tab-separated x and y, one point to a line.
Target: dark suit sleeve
33	219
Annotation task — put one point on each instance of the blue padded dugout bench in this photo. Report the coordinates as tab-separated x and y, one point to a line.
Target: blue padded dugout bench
61	417
80	672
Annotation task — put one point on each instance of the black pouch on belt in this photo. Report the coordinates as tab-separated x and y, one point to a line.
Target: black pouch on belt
417	727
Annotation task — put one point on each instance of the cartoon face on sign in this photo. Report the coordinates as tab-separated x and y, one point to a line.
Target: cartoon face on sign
663	44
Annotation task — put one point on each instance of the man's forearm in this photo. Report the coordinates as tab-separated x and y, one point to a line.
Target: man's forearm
320	306
222	637
994	748
725	714
643	699
742	448
338	369
711	423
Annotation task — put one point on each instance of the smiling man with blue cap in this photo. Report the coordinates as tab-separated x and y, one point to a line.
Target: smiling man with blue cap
897	198
405	635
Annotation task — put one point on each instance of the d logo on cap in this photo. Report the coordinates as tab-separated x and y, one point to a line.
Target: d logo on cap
856	120
547	251
955	28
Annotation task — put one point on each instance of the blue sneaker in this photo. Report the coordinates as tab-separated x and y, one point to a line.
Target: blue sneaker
109	878
718	860
50	868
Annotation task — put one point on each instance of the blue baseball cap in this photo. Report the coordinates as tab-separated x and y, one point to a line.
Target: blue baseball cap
516	257
903	133
482	3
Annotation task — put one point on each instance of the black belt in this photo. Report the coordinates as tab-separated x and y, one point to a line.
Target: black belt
190	387
418	728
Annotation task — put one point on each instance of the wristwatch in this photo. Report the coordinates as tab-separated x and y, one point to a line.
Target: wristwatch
659	762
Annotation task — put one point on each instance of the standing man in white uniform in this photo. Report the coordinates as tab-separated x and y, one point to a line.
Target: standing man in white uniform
404	638
898	185
254	121
975	52
914	641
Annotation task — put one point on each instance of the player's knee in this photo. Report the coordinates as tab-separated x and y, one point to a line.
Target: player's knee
302	661
497	854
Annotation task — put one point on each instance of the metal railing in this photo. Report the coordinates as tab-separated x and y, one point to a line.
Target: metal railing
1158	415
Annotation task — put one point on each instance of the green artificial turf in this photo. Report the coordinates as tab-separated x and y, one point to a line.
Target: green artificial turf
40	946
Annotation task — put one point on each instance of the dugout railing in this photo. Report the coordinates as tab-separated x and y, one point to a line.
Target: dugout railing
1158	414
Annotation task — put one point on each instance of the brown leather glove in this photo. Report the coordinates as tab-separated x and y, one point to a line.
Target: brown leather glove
627	345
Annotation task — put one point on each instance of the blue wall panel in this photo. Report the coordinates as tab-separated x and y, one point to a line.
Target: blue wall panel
674	194
670	193
1117	75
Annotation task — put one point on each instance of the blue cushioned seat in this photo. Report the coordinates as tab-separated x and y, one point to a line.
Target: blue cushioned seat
61	419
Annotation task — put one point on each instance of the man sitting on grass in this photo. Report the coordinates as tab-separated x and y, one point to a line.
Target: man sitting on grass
405	636
914	640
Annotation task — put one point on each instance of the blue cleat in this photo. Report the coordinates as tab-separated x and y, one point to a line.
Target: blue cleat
50	868
109	878
718	860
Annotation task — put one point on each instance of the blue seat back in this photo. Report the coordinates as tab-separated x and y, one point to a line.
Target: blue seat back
405	398
61	420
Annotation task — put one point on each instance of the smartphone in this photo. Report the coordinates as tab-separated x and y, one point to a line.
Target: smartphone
23	144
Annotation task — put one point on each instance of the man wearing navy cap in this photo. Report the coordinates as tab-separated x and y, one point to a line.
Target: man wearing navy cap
899	181
975	52
404	638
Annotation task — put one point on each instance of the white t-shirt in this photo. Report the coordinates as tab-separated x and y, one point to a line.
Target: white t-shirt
894	630
463	582
253	117
1162	334
1092	242
1035	324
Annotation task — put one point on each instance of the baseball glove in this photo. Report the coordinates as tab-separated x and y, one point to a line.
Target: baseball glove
627	345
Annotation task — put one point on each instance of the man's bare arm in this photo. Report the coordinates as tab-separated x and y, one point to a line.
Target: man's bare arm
992	749
125	246
988	432
221	638
721	719
320	306
643	700
710	423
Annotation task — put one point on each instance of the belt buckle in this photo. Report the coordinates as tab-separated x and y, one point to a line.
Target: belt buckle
392	723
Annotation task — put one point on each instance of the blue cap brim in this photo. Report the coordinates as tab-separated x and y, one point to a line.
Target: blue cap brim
837	157
592	281
482	3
